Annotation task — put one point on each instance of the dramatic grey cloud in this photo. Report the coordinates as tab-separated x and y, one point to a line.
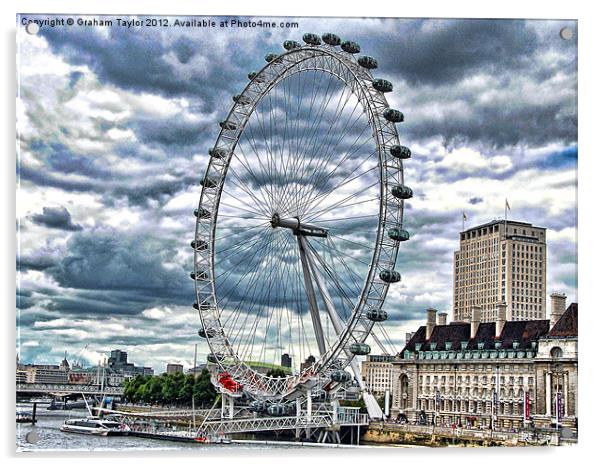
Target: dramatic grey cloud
114	127
56	217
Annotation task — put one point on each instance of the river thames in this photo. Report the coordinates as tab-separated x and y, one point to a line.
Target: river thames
51	438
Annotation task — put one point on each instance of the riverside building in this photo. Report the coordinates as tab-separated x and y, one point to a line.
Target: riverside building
506	374
501	261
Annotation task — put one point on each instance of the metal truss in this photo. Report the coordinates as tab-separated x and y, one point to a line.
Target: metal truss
68	389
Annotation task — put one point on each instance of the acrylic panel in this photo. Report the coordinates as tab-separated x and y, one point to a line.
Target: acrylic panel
247	232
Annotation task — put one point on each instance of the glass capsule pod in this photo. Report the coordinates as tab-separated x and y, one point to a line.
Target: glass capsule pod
209	182
340	376
215	357
227	125
204	306
257	406
389	276
377	315
382	85
253	76
400	152
398	234
273	57
331	39
350	47
210	333
392	115
360	349
202	213
241	99
198	276
291	44
367	62
401	192
277	409
311	39
217	153
199	245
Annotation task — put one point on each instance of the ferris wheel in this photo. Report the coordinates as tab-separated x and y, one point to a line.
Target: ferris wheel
300	219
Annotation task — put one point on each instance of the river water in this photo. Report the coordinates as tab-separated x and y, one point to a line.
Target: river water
50	438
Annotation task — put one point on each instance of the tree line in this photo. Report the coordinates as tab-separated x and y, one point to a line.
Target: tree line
173	389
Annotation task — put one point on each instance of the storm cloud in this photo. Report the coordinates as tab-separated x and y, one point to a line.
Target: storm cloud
114	129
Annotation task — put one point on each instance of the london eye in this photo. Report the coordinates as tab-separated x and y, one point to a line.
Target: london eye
300	219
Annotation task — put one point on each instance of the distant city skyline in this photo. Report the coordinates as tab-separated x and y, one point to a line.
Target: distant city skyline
113	135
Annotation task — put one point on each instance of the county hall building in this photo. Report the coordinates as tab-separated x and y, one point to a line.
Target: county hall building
504	374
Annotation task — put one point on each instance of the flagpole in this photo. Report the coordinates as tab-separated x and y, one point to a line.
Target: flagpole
506	218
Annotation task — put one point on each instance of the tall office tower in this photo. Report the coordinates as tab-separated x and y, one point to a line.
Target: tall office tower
501	261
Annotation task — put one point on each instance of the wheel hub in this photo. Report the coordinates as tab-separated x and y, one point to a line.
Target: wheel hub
298	228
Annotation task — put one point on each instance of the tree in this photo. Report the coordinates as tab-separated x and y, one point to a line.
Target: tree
204	392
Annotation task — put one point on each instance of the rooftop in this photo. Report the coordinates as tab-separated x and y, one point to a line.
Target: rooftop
522	332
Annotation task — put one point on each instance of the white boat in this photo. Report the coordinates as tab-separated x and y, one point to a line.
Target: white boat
95	426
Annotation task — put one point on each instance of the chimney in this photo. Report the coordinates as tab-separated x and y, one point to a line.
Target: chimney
500	320
558	301
474	321
442	318
431	317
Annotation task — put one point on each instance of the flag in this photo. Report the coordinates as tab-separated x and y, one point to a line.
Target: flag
507	205
464	217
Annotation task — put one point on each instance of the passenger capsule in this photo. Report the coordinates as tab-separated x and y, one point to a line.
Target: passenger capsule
277	409
291	44
394	116
400	152
217	153
203	213
340	376
331	39
367	62
311	39
241	99
209	182
257	406
377	315
320	395
227	125
209	333
350	47
198	275
382	85
389	276
253	77
401	192
215	357
273	57
199	245
359	349
204	306
398	234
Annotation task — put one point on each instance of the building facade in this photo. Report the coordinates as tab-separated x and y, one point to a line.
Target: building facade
499	375
377	373
501	261
174	368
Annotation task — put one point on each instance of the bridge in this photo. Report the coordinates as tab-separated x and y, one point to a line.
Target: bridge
62	389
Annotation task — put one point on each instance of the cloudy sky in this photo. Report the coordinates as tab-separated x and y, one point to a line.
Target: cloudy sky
114	126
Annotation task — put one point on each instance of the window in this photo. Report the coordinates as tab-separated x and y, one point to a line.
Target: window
556	352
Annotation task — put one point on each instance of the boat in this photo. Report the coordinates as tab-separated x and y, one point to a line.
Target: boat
25	417
93	425
217	438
